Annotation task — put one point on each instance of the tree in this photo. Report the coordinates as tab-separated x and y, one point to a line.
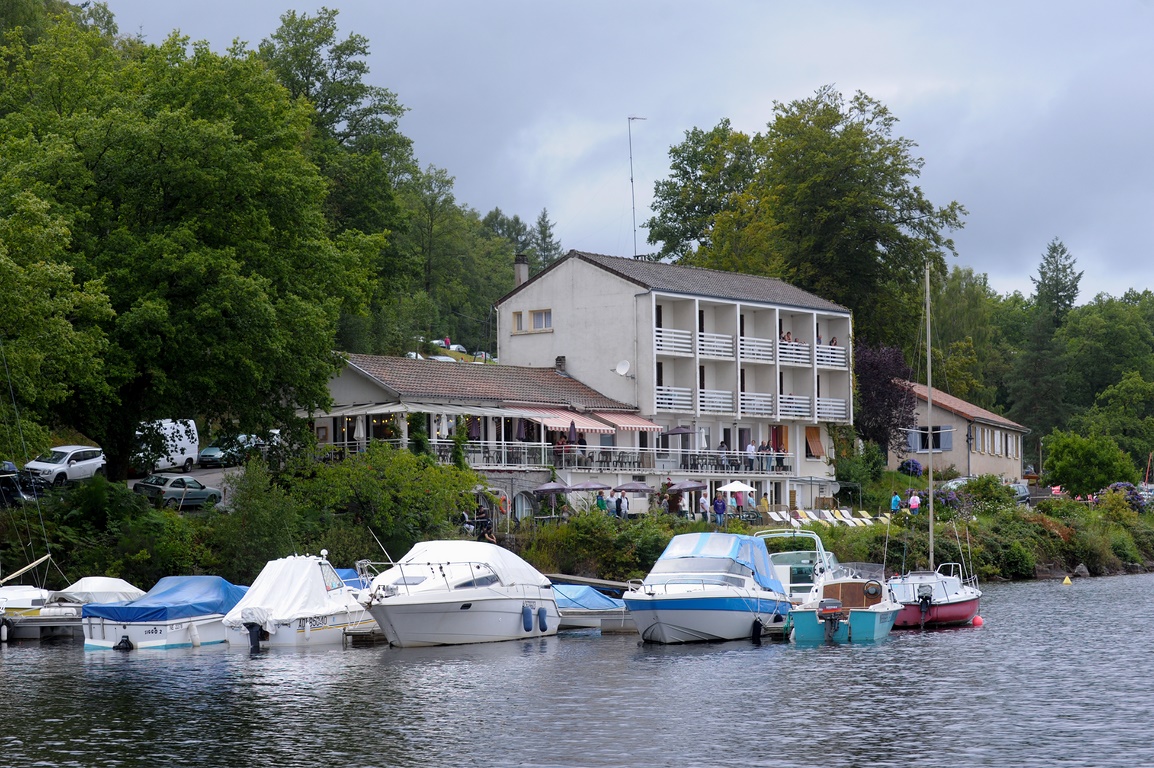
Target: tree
182	178
547	246
884	406
1085	465
1056	286
1101	342
1123	412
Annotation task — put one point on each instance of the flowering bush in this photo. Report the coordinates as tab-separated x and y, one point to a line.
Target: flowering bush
1132	495
911	467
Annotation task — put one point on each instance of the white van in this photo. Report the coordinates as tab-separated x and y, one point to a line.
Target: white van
179	446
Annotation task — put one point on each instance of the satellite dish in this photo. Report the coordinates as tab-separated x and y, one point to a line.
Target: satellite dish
834	487
622	368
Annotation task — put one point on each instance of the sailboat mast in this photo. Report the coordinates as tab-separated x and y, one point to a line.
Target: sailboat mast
929	419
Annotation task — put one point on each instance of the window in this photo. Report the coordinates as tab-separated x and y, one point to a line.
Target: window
813	446
701	377
657	317
542	319
920	439
660	374
518	322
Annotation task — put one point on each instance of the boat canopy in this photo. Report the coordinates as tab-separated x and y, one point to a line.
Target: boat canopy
748	551
173	597
352	578
289	589
510	568
96	589
574	596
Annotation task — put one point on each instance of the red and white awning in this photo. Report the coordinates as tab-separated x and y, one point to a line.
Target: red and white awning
628	421
558	420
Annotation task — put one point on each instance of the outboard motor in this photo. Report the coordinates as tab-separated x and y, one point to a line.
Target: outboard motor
124	645
253	636
925	599
829	612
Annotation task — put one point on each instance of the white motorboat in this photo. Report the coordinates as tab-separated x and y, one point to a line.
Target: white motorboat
947	597
180	611
803	566
20	606
708	586
297	601
456	592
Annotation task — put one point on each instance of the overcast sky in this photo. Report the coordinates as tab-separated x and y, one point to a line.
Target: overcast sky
1037	116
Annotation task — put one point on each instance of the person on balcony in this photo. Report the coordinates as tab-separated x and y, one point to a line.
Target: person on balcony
750	455
722	448
763	457
833	341
819	339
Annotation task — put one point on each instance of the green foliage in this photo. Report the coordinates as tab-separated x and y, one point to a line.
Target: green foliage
1085	465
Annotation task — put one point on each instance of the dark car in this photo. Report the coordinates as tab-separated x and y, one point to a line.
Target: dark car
1021	492
177	491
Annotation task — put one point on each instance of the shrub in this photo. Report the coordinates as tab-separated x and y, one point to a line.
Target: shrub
911	467
1130	493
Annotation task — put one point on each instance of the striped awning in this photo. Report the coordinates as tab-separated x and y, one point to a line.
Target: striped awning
628	421
558	419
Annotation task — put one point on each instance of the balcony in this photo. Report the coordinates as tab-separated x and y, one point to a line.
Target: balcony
755	350
670	341
793	353
674	398
716	345
756	404
832	357
794	407
832	409
715	401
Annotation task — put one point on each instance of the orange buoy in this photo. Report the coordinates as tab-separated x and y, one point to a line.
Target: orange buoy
978	621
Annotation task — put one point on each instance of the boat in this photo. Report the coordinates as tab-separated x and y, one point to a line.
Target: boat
583	607
850	604
802	567
946	597
708	586
178	612
297	601
457	592
20	604
936	597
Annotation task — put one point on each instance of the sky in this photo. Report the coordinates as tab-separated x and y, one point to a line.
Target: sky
1035	115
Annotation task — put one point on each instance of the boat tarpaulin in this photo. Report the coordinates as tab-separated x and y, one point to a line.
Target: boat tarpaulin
173	597
292	588
97	589
748	551
573	596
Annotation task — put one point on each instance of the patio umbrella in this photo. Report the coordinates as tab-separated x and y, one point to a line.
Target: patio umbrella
474	428
736	487
572	432
635	486
680	429
589	485
551	487
687	486
521	429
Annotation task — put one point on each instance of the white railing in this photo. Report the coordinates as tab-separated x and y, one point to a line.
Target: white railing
832	409
756	404
674	398
715	345
670	341
755	349
795	406
715	401
831	357
793	353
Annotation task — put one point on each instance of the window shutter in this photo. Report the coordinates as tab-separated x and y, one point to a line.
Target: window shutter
947	439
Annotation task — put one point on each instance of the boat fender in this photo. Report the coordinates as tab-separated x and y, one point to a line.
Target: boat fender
755	635
124	645
193	634
873	588
527	618
542	616
253	636
5	629
308	630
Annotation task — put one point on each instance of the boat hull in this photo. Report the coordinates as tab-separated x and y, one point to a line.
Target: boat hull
864	625
103	635
311	632
466	616
950	600
952	614
703	616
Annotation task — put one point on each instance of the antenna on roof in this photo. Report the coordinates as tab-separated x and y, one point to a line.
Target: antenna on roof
632	195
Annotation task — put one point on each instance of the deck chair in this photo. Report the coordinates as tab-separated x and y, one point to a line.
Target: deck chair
810	517
863	518
845	518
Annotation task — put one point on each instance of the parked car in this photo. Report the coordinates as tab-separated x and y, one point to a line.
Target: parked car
228	451
165	444
12	494
443	358
459	348
956	483
67	463
177	491
1021	492
438	343
482	356
414	356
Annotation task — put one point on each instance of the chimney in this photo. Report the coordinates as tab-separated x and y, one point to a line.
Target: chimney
520	270
559	363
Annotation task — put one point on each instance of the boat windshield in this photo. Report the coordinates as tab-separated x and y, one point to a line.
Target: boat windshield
796	557
332	580
719	565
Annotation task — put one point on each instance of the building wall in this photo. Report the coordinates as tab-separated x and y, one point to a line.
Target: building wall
990	450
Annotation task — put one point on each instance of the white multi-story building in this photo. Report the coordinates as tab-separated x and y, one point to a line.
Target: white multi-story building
720	360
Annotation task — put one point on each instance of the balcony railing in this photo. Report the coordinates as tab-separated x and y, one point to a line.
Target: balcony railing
674	398
715	345
715	401
756	404
794	406
754	349
832	409
670	341
793	353
831	357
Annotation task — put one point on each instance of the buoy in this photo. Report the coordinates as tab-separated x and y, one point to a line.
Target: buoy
1066	581
979	621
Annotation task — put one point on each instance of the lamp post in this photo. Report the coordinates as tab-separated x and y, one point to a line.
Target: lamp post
632	194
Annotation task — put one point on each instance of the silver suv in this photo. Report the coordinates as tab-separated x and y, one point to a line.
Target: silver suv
67	463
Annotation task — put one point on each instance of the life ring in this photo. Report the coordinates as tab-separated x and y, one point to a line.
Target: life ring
873	588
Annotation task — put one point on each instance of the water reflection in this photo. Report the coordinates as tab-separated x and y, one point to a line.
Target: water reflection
1055	678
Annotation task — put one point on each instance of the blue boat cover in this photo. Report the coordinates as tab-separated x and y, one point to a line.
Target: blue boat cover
351	578
749	551
173	597
571	596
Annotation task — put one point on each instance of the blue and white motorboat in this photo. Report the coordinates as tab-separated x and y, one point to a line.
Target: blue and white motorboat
852	603
708	586
180	611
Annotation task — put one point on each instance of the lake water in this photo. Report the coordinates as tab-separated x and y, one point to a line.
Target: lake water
1058	676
